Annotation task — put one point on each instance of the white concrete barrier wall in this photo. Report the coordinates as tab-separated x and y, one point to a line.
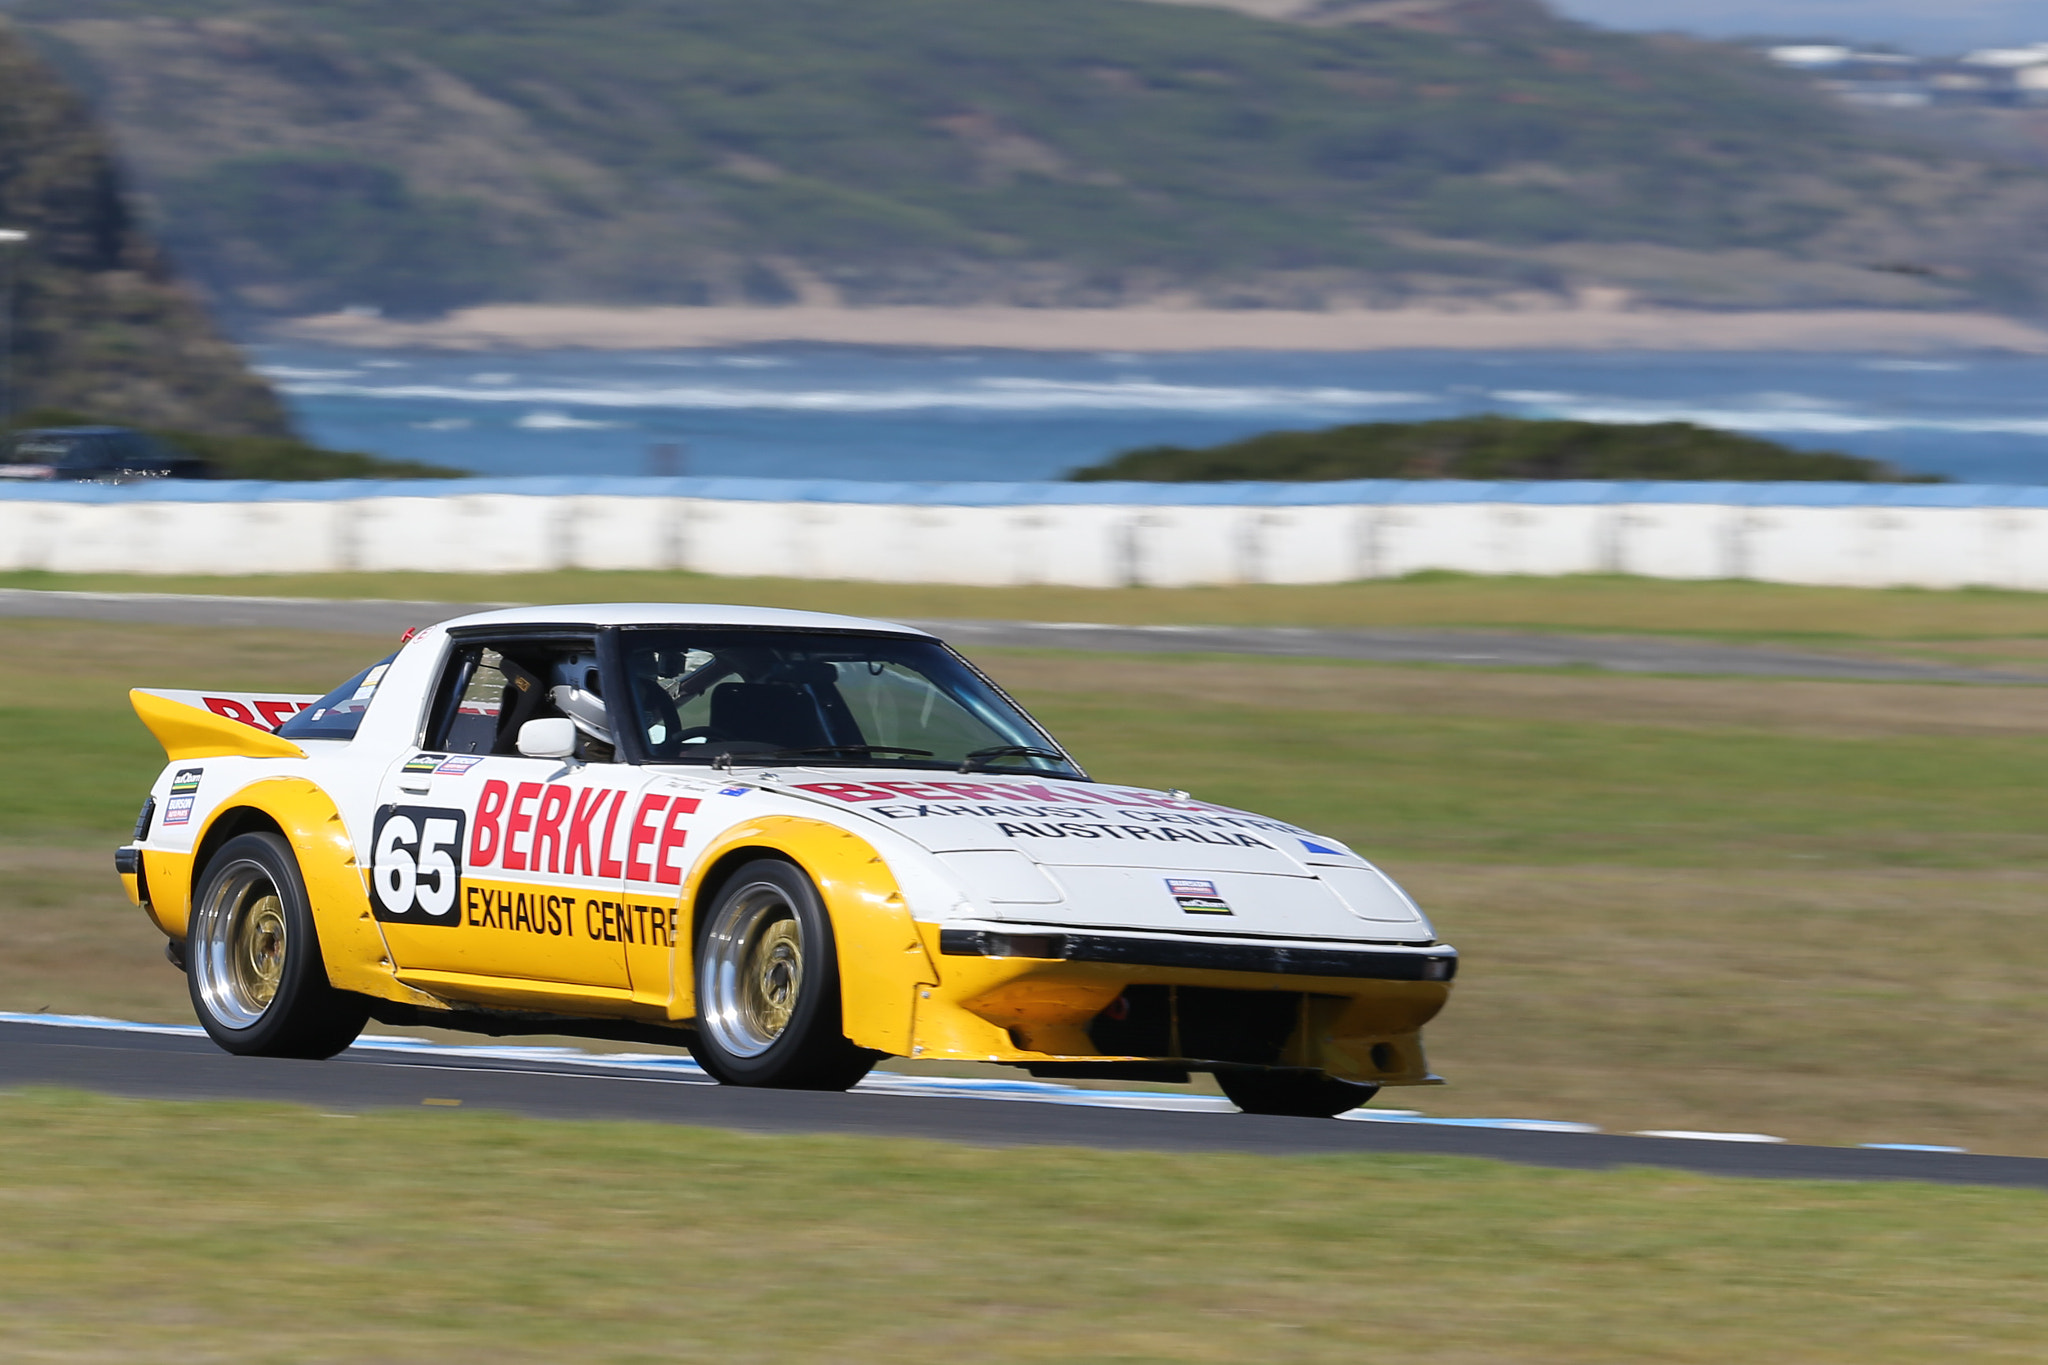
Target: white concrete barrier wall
1078	535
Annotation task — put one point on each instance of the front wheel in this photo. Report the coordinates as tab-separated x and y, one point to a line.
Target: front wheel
1296	1094
768	986
252	958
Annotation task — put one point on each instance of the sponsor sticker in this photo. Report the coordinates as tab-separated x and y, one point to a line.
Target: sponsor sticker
457	764
734	791
591	831
422	763
1197	898
184	792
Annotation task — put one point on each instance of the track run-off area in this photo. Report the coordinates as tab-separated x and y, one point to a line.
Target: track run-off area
1471	648
178	1062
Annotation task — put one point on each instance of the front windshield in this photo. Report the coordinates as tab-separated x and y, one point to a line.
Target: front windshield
818	698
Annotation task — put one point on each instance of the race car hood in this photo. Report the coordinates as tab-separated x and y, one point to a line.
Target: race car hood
1047	850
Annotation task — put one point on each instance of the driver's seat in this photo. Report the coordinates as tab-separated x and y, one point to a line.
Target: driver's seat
780	714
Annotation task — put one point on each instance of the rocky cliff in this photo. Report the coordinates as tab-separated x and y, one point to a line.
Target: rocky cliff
101	326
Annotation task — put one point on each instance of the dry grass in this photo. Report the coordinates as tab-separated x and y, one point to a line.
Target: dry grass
74	943
1856	710
61	662
147	1233
1827	1007
79	762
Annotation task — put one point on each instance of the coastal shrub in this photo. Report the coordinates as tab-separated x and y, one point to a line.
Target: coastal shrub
1494	447
275	458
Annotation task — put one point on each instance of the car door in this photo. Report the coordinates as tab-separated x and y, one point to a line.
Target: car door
489	864
679	800
659	847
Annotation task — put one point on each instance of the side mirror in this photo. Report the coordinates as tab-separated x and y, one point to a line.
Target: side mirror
549	737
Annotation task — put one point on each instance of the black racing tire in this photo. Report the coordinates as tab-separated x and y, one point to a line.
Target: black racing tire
1293	1094
768	986
252	958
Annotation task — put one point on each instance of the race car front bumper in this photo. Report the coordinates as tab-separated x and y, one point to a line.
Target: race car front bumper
1130	951
1034	995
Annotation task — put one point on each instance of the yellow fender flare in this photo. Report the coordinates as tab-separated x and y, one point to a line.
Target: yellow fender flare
882	958
351	944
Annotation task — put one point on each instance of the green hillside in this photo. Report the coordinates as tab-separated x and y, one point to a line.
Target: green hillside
1491	448
325	153
99	324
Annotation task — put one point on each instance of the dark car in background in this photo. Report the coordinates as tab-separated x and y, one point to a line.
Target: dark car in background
94	455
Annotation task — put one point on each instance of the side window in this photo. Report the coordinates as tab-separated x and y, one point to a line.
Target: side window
493	689
338	714
473	727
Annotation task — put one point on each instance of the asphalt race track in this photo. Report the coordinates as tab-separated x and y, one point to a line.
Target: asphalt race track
175	1064
1482	649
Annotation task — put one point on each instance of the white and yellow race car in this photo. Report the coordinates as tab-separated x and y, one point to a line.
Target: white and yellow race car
792	843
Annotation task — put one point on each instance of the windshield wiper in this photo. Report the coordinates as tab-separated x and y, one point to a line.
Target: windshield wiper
993	751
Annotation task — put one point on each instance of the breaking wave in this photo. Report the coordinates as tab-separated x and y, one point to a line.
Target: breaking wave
1788	413
561	421
289	374
988	395
1809	421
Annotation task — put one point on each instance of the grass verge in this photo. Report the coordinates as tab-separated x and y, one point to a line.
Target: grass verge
1589	602
161	1232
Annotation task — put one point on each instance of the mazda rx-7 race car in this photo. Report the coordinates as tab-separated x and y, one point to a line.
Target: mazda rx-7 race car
792	843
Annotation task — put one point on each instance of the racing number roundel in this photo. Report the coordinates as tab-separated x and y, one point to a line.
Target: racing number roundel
415	873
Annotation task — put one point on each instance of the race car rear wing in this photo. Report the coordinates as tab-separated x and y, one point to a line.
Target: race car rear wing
218	724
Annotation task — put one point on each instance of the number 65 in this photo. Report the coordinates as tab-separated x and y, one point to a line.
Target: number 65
413	866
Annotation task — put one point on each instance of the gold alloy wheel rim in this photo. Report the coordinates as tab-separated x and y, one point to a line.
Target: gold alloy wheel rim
239	945
751	974
773	978
256	949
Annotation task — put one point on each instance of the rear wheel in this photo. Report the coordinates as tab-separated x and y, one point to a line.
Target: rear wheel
253	961
768	986
1296	1094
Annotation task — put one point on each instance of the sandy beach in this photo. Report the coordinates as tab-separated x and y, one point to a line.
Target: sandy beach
521	326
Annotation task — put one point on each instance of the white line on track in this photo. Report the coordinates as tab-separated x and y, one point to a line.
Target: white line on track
1691	1135
672	1070
439	1067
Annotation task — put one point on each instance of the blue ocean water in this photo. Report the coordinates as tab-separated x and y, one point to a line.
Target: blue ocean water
800	411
